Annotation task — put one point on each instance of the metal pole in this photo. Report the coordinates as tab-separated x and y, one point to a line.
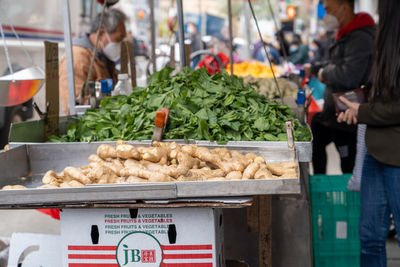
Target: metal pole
230	34
247	27
153	36
181	34
69	58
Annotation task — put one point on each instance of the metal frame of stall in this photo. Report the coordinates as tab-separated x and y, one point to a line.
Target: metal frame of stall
283	220
289	217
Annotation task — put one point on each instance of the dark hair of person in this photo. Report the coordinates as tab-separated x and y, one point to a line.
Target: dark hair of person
318	43
349	2
386	67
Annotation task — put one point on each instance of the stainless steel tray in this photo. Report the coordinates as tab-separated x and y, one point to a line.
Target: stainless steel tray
31	161
304	149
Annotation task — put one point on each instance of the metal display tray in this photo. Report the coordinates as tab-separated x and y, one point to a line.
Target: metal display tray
303	149
26	165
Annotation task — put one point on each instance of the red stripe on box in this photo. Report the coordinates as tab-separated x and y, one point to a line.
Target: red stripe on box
187	247
92	265
187	264
187	256
92	256
92	247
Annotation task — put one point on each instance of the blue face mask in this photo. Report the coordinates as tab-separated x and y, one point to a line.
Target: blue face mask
313	49
293	49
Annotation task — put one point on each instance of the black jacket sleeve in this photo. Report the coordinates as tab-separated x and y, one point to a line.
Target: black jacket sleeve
356	60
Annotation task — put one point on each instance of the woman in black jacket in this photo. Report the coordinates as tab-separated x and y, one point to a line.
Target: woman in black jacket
380	183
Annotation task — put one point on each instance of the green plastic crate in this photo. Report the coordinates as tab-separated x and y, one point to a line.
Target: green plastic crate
335	215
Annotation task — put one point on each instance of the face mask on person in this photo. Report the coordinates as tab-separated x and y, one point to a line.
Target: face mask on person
293	49
313	48
331	23
112	50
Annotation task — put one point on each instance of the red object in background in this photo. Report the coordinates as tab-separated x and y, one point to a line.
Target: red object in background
21	91
172	23
53	213
291	12
212	64
313	109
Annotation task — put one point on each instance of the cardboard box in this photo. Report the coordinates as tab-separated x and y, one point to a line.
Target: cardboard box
168	237
34	250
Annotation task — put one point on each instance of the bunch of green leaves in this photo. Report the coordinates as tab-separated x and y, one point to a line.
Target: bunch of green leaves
202	107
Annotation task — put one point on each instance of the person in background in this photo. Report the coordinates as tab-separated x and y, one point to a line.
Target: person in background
195	38
283	43
195	42
316	52
348	67
298	52
258	52
380	182
108	52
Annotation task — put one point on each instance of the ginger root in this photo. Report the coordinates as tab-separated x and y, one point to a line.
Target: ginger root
259	160
131	163
134	179
234	175
72	183
102	175
217	179
146	174
251	156
13	187
223	153
47	186
106	151
263	172
154	154
166	162
125	151
51	178
250	171
281	168
201	174
76	174
95	158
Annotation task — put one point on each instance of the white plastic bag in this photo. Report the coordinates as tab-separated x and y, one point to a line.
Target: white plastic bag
354	183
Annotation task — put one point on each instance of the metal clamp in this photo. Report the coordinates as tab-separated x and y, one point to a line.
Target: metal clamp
290	134
42	115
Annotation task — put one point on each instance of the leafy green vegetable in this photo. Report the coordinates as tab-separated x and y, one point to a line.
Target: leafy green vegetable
203	107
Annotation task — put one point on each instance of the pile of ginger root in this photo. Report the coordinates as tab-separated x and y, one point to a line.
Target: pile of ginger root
166	162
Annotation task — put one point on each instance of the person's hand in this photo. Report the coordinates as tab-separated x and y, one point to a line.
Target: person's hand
350	115
307	69
320	78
